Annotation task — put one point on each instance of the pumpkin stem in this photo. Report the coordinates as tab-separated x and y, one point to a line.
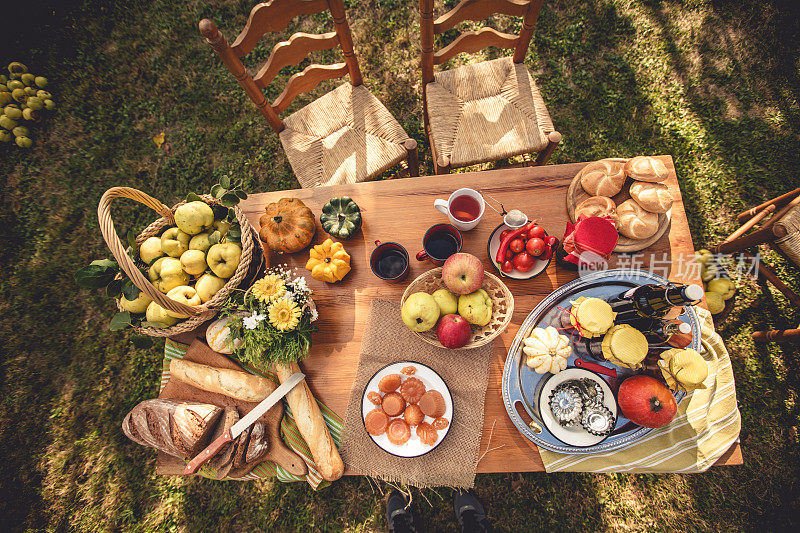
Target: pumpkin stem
341	217
278	219
655	404
327	259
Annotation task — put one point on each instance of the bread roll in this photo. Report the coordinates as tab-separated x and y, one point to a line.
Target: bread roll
603	178
239	385
180	429
597	206
635	222
646	168
653	197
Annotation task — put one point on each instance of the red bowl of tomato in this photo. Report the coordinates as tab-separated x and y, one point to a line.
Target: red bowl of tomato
528	250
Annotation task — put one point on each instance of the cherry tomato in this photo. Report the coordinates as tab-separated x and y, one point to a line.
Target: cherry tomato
524	262
535	246
551	241
547	254
504	233
524	235
507	267
516	246
536	232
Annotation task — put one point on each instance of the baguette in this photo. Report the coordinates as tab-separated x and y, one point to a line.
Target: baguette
312	425
233	383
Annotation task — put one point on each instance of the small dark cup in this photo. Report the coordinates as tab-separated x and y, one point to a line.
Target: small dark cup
380	252
431	255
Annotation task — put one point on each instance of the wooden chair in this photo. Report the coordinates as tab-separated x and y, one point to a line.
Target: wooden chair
490	110
780	227
347	135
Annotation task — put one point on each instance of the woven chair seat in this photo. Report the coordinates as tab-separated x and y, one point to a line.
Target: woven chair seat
486	111
790	244
346	136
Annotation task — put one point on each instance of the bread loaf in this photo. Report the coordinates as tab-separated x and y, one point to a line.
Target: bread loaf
258	446
653	197
177	428
646	168
603	178
597	206
240	450
635	222
222	462
239	385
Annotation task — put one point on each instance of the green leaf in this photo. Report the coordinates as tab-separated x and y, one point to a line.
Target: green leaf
192	197
229	199
129	290
142	341
95	276
241	194
225	182
231	215
120	321
107	263
235	232
216	187
114	289
131	237
220	192
220	211
214	237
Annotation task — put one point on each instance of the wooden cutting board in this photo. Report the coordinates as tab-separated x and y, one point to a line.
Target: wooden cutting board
175	389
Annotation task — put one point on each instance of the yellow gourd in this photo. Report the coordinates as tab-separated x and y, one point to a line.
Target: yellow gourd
328	261
546	350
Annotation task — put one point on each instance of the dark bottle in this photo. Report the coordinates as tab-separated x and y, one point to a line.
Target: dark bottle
652	302
674	333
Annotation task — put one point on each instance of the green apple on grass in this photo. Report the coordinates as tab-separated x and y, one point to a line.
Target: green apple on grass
194	217
137	305
223	259
476	307
723	286
447	302
185	295
158	316
150	250
167	273
208	285
193	262
715	302
420	312
174	242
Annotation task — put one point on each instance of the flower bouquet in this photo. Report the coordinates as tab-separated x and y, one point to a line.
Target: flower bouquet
271	324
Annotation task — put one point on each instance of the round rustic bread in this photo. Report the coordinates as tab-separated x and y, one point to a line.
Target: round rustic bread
646	168
653	197
597	206
603	178
635	222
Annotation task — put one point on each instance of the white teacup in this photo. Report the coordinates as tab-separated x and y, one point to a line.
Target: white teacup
446	207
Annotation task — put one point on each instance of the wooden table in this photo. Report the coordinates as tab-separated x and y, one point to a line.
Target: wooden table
401	210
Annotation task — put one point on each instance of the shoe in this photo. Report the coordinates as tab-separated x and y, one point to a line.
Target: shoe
470	514
400	517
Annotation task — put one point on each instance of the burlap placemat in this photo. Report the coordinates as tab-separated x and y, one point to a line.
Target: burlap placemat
466	373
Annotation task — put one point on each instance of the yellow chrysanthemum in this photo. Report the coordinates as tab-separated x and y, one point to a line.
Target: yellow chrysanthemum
269	288
284	314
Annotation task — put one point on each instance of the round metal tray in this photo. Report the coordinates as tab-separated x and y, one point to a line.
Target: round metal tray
521	384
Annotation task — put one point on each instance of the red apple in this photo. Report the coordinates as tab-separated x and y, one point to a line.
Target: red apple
647	402
453	331
463	273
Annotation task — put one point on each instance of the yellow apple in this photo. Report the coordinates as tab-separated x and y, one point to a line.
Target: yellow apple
137	305
185	295
222	226
194	217
420	312
476	307
200	242
193	262
167	273
158	316
223	259
447	302
174	242
208	285
715	302
150	249
723	286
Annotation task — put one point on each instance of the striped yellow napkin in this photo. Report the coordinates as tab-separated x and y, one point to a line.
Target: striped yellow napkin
291	435
705	427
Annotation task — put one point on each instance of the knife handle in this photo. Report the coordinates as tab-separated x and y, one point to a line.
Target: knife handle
211	450
600	369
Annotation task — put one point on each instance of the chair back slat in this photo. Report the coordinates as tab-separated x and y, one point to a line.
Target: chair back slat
292	52
478	10
475	41
305	81
274	15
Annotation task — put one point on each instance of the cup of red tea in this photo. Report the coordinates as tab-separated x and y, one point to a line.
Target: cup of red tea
464	208
440	242
389	261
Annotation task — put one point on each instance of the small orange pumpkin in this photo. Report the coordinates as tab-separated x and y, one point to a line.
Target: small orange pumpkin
288	226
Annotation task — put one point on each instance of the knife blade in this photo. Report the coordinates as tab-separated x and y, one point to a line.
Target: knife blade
246	421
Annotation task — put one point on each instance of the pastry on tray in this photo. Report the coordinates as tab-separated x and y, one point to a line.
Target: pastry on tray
653	197
603	178
597	206
635	222
646	168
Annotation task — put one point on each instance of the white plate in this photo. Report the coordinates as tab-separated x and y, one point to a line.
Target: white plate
494	244
574	435
432	381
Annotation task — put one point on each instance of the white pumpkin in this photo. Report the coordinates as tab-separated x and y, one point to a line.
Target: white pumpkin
218	337
546	350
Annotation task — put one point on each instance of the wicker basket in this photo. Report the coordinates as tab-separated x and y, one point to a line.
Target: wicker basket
502	306
197	314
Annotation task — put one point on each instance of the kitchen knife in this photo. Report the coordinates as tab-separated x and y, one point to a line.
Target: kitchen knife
246	421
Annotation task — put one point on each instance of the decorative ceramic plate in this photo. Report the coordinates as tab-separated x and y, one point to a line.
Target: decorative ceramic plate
432	381
494	244
522	385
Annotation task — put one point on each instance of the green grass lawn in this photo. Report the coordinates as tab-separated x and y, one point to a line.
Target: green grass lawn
715	83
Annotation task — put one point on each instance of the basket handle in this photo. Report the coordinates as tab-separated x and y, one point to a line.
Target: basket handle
123	259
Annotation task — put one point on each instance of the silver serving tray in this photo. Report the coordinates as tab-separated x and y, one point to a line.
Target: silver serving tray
521	384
